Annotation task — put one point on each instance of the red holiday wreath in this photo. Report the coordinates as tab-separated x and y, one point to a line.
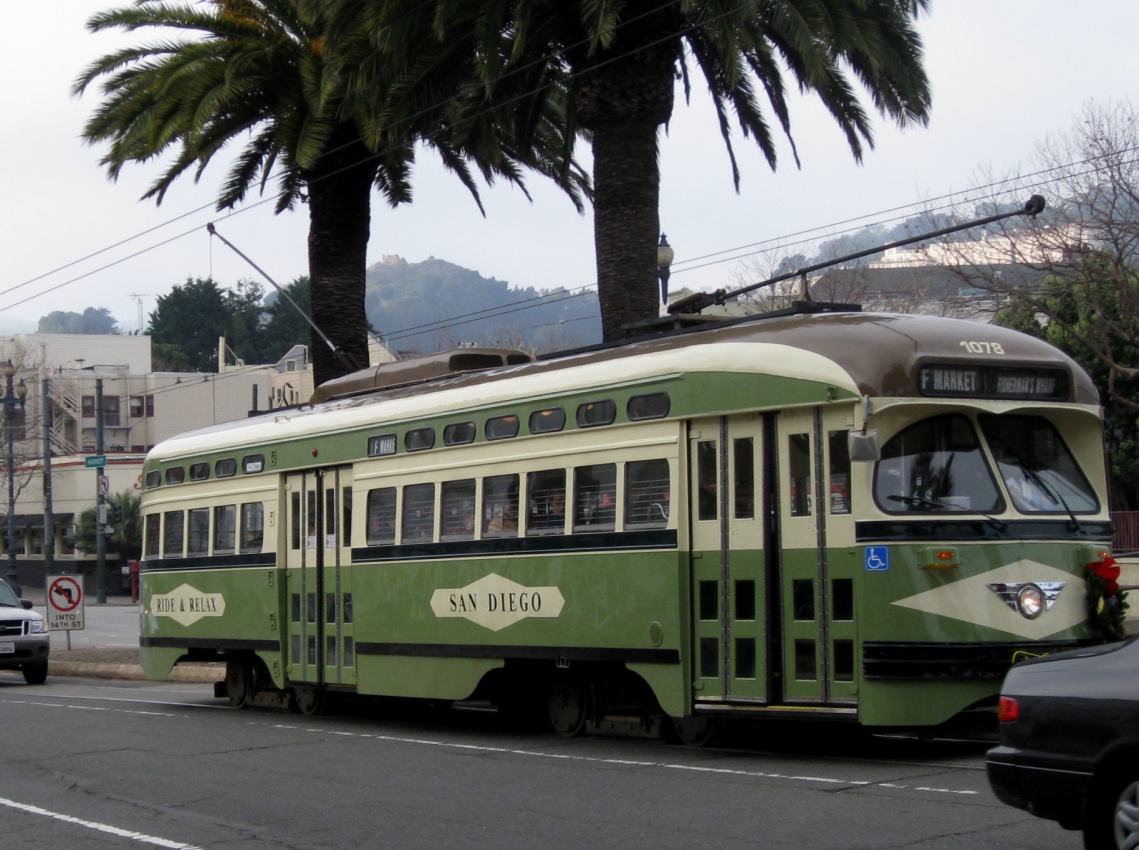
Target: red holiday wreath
1107	605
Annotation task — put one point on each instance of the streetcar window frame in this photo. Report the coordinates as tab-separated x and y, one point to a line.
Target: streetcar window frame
153	535
417	513
500	505
545	493
153	479
175	474
225	468
595	497
459	433
548	420
225	529
173	533
251	464
252	527
199	471
457	509
502	427
380	516
198	531
649	406
593	414
419	439
647	503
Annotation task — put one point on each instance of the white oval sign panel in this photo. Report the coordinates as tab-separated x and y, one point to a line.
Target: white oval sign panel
494	602
186	604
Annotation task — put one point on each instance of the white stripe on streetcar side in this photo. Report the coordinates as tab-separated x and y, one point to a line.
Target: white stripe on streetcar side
100	827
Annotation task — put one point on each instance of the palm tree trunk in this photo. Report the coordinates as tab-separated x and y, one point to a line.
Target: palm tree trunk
339	199
626	220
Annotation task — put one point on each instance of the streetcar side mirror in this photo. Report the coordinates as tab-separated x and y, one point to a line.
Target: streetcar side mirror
863	446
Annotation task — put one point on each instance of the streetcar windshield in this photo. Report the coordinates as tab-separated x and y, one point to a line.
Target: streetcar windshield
936	465
1037	468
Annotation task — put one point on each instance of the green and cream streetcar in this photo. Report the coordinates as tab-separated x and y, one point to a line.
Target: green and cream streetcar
831	514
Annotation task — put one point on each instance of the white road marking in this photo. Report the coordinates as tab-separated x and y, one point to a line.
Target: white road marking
826	780
141	837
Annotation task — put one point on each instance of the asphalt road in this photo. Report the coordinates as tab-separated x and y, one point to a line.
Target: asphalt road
138	765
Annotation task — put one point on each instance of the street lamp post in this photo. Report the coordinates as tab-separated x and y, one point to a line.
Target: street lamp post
11	401
665	256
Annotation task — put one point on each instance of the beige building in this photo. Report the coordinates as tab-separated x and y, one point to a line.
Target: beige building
140	407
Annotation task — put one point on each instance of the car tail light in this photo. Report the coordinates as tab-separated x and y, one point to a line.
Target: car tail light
1008	710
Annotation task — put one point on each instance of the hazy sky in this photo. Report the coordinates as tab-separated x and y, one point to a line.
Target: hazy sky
1005	75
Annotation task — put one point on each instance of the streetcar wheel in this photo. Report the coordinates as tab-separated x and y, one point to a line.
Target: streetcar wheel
1112	819
698	731
239	681
566	705
35	674
310	700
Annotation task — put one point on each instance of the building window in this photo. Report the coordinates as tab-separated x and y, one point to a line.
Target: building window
150	405
137	411
88	407
111	411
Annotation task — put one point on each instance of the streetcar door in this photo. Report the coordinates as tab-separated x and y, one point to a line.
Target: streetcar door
318	579
728	568
339	645
817	640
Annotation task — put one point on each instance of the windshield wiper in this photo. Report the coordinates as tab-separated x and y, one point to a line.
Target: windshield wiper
918	501
1051	491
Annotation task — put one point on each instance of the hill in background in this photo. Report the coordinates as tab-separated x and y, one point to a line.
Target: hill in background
435	305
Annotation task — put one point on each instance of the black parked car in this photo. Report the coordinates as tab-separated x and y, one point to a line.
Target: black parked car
1070	742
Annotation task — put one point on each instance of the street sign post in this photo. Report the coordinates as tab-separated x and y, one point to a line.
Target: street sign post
95	461
64	604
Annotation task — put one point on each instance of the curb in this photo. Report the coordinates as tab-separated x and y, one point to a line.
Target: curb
133	672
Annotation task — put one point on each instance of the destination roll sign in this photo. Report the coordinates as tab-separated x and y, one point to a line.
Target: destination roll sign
948	380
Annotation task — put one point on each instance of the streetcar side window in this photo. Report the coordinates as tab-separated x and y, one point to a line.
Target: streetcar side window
153	533
595	497
459	433
381	516
419	440
546	502
799	459
594	413
252	527
547	421
500	506
653	406
199	539
647	494
173	533
176	475
226	467
708	481
225	529
743	465
936	465
418	523
501	427
295	520
457	512
838	459
199	471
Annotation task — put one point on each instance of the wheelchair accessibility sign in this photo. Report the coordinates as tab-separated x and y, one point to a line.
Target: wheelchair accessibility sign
877	559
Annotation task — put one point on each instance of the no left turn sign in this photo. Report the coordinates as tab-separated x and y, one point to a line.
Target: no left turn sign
64	603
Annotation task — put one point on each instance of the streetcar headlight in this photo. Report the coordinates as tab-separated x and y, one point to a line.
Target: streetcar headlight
1030	601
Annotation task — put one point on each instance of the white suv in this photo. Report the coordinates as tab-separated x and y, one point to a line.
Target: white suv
24	638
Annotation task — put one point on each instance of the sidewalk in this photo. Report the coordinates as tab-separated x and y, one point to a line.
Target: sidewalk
107	648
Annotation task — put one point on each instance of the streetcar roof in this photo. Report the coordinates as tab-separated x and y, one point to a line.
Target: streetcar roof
857	353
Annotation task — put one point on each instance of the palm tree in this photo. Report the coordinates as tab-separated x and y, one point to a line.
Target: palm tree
621	59
321	109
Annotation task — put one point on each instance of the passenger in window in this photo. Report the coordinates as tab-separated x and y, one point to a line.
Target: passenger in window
507	518
550	512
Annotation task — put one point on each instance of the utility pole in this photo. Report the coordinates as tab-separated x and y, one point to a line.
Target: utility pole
49	517
100	504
